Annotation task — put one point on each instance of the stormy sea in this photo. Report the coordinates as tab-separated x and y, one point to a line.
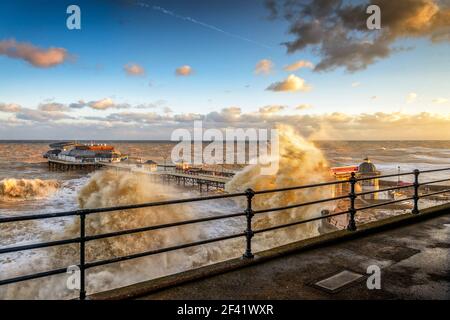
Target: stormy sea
28	186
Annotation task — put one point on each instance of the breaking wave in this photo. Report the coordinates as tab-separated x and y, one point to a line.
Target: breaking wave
300	163
26	188
110	188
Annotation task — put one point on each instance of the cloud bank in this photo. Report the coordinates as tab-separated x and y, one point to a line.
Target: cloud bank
25	123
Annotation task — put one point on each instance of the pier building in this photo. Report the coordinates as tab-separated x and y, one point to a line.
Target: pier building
84	153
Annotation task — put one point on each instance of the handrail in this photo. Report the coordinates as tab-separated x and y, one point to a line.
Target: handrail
161	226
117	208
249	213
153	252
384	190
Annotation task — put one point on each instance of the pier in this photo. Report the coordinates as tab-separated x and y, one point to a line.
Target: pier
61	165
214	180
201	181
68	156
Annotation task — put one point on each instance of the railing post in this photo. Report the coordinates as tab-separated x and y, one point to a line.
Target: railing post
82	256
415	209
249	232
352	210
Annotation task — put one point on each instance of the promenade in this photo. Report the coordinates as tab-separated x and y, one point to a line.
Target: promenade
414	262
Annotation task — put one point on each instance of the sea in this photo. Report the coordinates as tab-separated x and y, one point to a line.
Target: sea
23	160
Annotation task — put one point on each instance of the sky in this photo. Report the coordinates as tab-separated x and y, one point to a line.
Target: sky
138	69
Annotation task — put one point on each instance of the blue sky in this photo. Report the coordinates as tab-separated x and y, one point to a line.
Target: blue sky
116	33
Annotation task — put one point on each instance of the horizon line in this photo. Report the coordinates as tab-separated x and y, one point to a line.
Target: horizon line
167	140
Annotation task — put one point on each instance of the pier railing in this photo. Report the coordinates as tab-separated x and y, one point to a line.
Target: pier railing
247	233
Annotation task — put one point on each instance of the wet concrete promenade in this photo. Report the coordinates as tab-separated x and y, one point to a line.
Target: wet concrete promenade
414	261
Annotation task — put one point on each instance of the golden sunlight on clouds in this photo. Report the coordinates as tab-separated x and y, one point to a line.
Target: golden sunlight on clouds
102	104
304	106
336	125
184	71
291	84
271	109
337	32
134	69
420	18
264	66
41	58
298	65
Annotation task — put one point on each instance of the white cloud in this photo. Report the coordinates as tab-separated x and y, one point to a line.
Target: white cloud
292	83
411	97
102	104
28	123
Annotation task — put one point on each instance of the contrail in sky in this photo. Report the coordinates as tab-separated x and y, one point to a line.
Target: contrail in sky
200	23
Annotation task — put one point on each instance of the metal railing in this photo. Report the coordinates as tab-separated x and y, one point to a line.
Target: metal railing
248	213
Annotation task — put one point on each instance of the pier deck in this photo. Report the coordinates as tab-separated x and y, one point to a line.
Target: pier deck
57	164
202	181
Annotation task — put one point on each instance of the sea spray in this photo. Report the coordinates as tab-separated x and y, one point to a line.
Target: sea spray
300	163
111	188
19	189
